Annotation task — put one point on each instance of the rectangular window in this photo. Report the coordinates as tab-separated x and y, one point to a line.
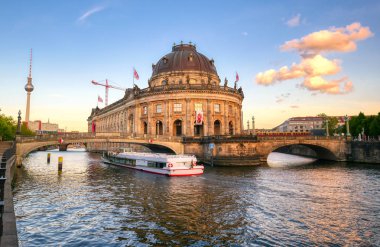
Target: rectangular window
217	108
198	107
159	108
177	107
145	110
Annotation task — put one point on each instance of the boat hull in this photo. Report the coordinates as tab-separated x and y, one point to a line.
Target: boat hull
279	160
171	172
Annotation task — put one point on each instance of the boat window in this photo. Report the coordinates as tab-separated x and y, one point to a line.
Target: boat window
151	164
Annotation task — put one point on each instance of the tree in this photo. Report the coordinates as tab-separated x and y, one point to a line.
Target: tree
332	123
25	131
7	128
374	126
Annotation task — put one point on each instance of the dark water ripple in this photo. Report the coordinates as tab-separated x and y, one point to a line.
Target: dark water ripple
92	204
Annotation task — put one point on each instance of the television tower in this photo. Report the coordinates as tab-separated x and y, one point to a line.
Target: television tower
29	88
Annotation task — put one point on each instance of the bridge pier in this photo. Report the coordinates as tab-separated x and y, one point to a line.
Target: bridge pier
18	160
63	147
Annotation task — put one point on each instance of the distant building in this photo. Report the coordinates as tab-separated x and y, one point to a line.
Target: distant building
43	128
300	124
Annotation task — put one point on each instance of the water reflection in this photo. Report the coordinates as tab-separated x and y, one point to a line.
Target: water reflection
94	204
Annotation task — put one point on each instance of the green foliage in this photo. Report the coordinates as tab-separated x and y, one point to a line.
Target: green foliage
374	126
370	124
8	128
332	123
25	131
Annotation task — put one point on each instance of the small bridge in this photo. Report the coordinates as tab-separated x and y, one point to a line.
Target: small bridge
225	147
25	145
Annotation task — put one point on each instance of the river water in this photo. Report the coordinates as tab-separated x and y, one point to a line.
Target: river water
93	204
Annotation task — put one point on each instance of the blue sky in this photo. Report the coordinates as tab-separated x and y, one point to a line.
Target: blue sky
75	42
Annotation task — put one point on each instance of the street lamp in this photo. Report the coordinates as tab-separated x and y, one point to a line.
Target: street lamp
327	127
253	125
19	123
347	119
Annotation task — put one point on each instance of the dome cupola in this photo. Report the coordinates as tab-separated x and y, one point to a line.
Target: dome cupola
184	57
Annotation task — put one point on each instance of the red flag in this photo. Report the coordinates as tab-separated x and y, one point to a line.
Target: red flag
135	75
237	77
100	99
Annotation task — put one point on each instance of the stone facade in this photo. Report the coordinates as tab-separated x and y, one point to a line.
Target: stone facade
300	124
183	83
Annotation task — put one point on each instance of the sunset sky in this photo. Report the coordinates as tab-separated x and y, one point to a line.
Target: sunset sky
294	58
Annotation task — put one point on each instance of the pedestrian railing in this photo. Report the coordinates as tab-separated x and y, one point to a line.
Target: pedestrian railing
3	167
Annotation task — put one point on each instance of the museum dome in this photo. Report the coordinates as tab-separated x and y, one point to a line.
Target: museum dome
184	57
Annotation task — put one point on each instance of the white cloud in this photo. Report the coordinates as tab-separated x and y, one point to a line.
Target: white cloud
294	21
313	65
90	12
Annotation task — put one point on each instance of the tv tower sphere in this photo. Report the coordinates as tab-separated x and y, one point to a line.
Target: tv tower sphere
29	87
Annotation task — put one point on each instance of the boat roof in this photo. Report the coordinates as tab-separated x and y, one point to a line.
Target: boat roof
158	157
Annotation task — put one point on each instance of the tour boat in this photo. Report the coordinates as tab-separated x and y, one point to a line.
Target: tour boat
276	159
164	164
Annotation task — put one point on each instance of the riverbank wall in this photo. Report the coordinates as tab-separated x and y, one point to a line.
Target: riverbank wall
9	231
366	152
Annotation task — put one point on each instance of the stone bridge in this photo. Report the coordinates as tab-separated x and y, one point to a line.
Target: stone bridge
25	145
227	150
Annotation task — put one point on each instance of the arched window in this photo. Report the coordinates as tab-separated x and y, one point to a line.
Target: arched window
217	127
145	126
159	127
230	128
177	127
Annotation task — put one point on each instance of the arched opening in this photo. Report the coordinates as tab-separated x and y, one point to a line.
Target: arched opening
217	127
159	127
230	128
307	150
131	123
145	128
198	129
177	127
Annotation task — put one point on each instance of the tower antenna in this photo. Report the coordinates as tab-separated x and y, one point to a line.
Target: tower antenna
30	63
29	88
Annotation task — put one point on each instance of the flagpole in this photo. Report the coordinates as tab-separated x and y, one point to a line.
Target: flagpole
133	78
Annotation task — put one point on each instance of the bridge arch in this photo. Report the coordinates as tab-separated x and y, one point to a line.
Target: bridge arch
317	151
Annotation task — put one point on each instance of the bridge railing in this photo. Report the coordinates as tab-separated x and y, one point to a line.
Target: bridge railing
265	138
202	139
97	135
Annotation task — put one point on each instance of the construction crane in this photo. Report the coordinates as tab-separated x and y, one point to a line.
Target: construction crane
106	86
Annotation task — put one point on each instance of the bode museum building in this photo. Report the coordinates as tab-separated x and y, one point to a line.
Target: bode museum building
184	97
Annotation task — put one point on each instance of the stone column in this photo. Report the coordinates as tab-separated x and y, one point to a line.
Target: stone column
188	118
150	115
137	119
170	120
225	118
165	122
208	116
134	119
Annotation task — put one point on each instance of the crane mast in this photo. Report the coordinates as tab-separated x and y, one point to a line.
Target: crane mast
106	86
